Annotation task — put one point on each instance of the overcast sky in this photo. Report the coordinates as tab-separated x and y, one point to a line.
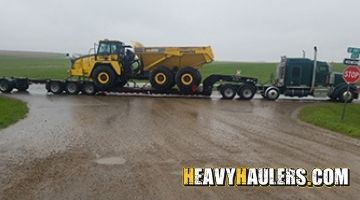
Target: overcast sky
238	30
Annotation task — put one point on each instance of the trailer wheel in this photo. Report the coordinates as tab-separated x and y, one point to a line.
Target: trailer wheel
162	79
104	77
56	87
72	88
228	91
22	88
247	91
187	79
272	93
345	95
6	86
89	88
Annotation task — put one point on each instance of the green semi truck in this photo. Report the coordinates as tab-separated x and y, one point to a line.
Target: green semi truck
300	77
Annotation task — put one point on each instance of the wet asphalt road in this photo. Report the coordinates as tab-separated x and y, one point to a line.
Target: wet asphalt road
123	147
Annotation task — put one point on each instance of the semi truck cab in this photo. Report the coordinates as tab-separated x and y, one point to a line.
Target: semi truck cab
296	77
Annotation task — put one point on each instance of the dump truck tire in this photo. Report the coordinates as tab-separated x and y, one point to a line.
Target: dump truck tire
187	79
247	91
6	86
56	87
162	79
345	95
89	88
227	91
104	77
72	88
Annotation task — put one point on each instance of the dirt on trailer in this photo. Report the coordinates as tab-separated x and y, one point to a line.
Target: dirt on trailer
124	147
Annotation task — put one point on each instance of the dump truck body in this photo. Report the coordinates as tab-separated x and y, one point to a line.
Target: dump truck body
174	57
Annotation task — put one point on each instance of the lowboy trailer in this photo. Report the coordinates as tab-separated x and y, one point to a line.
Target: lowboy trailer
174	70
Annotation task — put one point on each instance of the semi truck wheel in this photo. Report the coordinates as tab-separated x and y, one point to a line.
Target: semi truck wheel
162	79
6	86
228	91
72	88
104	77
89	88
272	93
247	91
56	87
345	95
187	79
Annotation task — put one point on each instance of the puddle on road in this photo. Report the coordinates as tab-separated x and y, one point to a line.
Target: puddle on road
111	161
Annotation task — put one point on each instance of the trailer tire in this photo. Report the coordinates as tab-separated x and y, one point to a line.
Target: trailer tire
56	87
345	95
247	91
72	88
162	79
104	77
6	86
227	91
272	93
22	88
188	79
89	88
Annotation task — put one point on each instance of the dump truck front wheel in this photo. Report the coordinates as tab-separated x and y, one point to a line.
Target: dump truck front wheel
6	86
162	79
104	77
187	79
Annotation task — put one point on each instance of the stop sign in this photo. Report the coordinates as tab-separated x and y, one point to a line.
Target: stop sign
351	74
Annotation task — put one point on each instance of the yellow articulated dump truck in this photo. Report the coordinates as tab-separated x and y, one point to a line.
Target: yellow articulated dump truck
114	63
114	66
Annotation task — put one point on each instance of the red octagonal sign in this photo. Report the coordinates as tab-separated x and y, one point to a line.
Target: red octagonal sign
351	74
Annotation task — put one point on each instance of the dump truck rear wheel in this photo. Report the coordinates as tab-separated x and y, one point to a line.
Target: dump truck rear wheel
72	88
104	77
188	79
6	86
162	79
56	87
228	91
247	91
89	88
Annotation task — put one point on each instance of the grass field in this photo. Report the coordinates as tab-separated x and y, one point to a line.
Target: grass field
55	66
329	116
11	111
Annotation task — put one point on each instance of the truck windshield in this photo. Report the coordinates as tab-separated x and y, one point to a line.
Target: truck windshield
104	48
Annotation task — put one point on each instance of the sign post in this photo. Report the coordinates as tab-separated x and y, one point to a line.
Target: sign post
351	75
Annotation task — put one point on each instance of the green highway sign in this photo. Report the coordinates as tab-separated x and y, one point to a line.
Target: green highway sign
355	52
